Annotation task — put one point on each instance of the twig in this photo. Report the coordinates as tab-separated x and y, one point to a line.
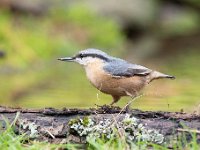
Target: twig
189	130
129	104
50	134
99	92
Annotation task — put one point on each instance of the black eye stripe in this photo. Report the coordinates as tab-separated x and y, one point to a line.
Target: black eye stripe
92	55
79	56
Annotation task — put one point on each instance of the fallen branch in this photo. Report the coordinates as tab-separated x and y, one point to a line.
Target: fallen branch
189	130
53	124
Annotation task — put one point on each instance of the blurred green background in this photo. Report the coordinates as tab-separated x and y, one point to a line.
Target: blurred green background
162	35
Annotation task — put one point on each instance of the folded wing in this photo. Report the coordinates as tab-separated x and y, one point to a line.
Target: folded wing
121	68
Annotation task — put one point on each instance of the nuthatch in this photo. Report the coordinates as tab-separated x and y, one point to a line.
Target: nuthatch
114	76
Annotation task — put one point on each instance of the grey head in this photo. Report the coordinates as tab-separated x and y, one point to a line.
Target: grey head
88	56
112	65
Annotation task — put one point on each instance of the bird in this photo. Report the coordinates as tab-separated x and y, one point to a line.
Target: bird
114	76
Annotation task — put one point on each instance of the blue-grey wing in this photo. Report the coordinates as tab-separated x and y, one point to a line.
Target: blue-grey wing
121	68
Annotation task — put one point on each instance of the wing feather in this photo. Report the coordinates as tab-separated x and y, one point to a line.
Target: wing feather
121	68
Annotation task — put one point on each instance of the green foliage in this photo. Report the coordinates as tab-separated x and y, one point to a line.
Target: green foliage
27	42
30	75
114	143
181	23
73	121
99	31
86	121
32	46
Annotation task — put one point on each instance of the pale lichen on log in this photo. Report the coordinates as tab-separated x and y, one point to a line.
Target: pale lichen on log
55	125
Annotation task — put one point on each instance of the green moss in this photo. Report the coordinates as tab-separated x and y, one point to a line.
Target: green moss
85	121
73	121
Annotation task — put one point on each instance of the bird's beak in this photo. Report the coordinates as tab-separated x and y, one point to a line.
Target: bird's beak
66	59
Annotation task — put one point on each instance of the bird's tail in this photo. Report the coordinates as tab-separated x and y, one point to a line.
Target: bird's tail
158	75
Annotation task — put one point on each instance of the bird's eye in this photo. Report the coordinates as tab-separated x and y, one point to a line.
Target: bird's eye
81	56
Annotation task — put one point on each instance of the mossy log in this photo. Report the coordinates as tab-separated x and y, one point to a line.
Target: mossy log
53	124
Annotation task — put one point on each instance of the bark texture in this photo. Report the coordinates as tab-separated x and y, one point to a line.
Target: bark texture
53	124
